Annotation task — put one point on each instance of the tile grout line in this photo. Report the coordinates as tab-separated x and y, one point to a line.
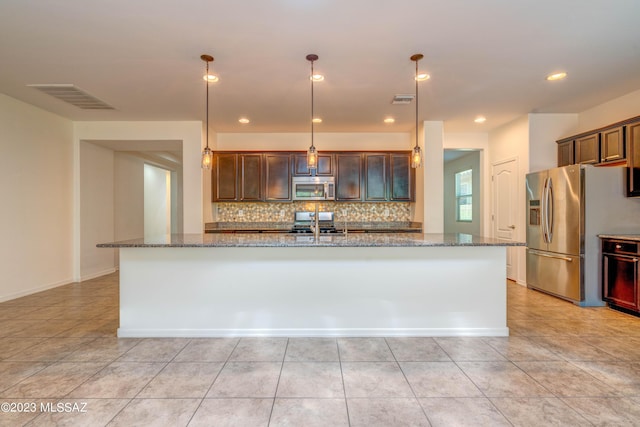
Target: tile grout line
344	388
415	396
275	393
224	364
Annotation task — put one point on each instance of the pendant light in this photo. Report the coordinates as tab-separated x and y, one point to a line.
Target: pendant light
416	155
207	154
312	154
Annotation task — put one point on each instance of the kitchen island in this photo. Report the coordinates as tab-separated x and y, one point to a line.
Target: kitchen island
405	284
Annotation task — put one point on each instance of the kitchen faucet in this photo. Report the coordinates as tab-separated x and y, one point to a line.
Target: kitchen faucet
315	227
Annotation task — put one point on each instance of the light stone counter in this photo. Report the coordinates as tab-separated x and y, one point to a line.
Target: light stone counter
265	240
214	285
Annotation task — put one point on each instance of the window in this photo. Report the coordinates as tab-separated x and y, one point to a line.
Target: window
464	195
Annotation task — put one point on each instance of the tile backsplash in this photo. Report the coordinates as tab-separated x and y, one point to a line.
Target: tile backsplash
279	212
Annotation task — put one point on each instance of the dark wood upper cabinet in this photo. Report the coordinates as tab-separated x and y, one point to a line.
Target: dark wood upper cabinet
325	165
278	177
565	153
633	159
250	177
588	149
612	145
360	176
403	178
348	177
376	177
225	177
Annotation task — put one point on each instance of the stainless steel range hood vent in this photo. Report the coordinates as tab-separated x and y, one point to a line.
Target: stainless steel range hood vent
73	95
403	99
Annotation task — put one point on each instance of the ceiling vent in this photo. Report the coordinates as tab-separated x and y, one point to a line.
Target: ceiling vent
73	95
402	99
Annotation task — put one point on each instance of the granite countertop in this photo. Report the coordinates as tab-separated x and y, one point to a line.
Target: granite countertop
378	226
633	237
292	240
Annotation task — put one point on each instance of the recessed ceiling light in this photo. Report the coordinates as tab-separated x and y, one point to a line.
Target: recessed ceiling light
389	120
243	120
557	76
317	77
422	77
317	120
480	119
210	78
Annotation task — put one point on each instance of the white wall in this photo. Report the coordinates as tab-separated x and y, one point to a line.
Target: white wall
157	201
618	109
190	133
128	196
96	210
466	162
335	141
36	184
544	131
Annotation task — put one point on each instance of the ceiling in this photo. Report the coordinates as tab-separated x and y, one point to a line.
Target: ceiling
485	57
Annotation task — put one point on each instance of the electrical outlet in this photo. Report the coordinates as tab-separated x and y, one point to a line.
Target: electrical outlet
240	212
386	212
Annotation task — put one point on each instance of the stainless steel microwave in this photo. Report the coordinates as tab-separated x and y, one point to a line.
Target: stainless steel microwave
313	188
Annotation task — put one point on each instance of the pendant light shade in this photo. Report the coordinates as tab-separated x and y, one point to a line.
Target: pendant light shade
207	154
416	155
312	154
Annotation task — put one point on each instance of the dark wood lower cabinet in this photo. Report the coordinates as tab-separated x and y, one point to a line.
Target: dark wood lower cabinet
620	274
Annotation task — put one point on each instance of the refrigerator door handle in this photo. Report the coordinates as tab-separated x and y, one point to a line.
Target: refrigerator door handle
549	214
546	255
543	211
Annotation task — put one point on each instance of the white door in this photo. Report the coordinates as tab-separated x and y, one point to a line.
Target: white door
504	175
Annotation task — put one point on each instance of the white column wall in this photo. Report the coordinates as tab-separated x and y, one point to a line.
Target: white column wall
96	210
36	183
433	185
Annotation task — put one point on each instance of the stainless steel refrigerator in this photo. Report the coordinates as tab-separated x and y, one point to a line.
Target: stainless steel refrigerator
567	208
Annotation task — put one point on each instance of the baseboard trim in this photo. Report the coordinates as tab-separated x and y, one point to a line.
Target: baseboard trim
98	274
347	332
26	292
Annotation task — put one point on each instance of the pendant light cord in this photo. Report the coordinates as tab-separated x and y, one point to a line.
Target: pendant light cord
416	79
206	82
311	78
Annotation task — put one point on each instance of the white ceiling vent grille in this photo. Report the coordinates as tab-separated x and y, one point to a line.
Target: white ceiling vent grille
73	95
403	99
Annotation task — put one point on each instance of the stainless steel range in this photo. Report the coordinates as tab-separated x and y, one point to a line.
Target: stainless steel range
304	221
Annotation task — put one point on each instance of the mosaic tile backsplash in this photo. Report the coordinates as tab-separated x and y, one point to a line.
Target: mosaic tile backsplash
280	212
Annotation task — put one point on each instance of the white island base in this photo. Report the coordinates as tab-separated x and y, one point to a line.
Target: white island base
312	291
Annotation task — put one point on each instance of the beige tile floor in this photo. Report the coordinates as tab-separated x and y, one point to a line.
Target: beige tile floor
562	365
